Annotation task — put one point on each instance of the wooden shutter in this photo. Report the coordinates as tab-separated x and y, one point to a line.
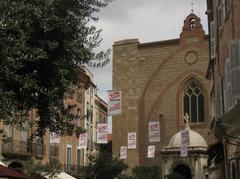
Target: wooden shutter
218	105
213	40
216	102
227	6
228	85
235	69
219	17
220	97
225	85
225	97
223	10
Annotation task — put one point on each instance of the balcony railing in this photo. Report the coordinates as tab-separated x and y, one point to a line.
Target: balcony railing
53	151
20	148
75	170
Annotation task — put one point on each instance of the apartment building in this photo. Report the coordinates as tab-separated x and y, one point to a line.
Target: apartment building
224	73
100	114
89	121
80	101
66	149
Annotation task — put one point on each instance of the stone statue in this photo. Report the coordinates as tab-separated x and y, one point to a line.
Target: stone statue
186	119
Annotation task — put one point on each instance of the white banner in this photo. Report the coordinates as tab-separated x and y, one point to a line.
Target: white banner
184	151
185	140
102	133
83	141
151	151
114	102
54	138
123	152
185	137
132	143
154	131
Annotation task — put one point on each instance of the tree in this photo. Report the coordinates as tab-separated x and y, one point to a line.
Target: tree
42	45
39	170
145	172
104	166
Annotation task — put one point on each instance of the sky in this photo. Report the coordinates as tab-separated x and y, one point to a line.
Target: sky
146	20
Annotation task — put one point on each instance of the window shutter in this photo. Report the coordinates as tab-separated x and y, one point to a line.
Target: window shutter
235	69
223	10
218	100
213	40
225	97
219	16
220	97
216	103
227	7
225	84
228	85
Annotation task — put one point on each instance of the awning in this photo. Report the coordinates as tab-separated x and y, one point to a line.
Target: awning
1	163
7	172
62	175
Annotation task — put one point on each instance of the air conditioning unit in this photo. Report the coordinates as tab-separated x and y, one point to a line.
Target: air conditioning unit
235	70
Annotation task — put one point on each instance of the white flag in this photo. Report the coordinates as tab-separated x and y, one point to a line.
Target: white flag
185	140
154	131
102	133
114	102
184	151
123	152
151	151
132	143
185	137
83	141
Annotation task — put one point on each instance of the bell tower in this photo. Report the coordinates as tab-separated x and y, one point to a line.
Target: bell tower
192	30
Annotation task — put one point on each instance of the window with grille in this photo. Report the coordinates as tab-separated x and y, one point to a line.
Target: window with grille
193	101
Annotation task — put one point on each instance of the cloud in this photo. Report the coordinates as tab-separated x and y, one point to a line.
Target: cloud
119	10
147	20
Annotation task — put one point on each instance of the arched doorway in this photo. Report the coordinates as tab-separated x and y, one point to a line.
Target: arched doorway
183	170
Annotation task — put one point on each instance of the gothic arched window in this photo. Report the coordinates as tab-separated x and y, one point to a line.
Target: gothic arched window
193	101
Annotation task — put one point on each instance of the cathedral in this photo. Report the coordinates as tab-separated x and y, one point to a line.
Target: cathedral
160	82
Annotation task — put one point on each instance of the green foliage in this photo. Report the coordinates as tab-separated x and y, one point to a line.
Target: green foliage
79	130
42	44
104	166
39	170
146	172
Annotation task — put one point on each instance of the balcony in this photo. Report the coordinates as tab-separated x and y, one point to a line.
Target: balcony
19	148
75	170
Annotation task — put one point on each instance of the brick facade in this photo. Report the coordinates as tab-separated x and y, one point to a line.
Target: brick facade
224	23
67	150
152	77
